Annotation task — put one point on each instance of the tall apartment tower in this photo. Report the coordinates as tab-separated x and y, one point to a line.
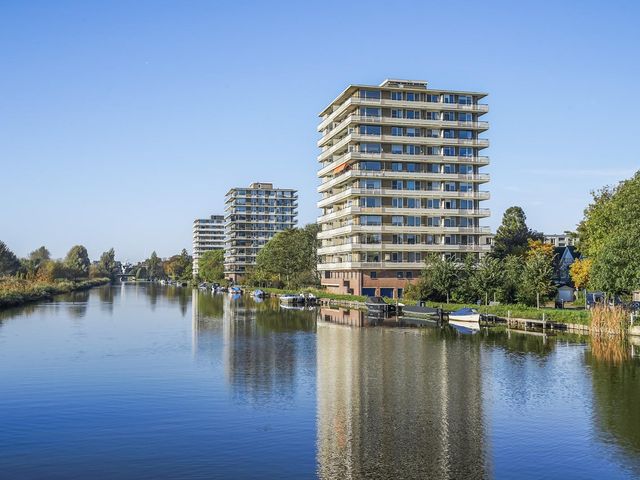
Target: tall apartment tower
400	178
253	215
208	234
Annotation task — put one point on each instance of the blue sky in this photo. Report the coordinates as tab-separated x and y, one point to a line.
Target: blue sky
121	122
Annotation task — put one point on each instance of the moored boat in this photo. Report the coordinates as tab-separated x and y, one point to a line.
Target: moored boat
377	306
258	293
467	315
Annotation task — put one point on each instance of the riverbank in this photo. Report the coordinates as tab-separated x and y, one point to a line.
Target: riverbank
15	291
570	317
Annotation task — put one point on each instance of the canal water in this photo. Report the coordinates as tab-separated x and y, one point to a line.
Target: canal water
145	381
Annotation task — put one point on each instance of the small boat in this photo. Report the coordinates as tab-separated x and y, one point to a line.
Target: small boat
422	312
467	315
292	299
258	294
377	306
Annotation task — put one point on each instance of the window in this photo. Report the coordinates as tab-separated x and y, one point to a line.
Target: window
396	167
397	220
370	148
449	98
370	130
449	116
397	113
372	257
449	168
465	134
411	132
466	204
409	275
412	150
465	169
413	203
397	184
373	275
370	184
433	98
411	185
433	221
400	274
433	116
396	149
411	97
449	151
411	167
466	187
371	220
433	168
433	203
465	117
411	239
397	131
433	133
369	112
466	152
433	150
396	95
374	166
370	202
450	187
413	221
411	114
396	202
465	100
371	94
449	133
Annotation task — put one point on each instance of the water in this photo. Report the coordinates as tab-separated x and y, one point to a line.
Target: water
143	381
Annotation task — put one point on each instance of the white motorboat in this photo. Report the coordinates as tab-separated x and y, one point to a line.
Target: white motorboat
466	315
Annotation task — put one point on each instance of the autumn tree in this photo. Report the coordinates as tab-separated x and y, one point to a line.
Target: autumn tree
580	270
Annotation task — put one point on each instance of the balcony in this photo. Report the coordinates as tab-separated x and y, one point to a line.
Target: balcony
348	192
347	211
392	174
422	229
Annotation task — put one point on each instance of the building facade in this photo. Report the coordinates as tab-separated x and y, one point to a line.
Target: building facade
399	178
563	240
253	215
208	234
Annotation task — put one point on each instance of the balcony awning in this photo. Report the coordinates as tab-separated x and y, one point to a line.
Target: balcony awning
340	168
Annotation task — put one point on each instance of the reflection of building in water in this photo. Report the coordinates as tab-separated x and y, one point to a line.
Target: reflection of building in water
395	403
206	316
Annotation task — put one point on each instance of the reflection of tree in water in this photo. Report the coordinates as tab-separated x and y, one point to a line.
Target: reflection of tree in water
262	349
107	295
396	403
179	295
616	392
519	343
76	302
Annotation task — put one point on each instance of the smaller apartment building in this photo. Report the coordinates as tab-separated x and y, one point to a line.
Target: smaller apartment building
208	234
253	216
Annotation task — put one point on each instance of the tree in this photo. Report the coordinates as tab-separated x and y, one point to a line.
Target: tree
39	255
616	268
608	235
77	262
51	270
289	258
211	266
513	234
154	266
579	271
487	278
443	274
179	267
539	246
536	277
9	263
106	266
512	266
